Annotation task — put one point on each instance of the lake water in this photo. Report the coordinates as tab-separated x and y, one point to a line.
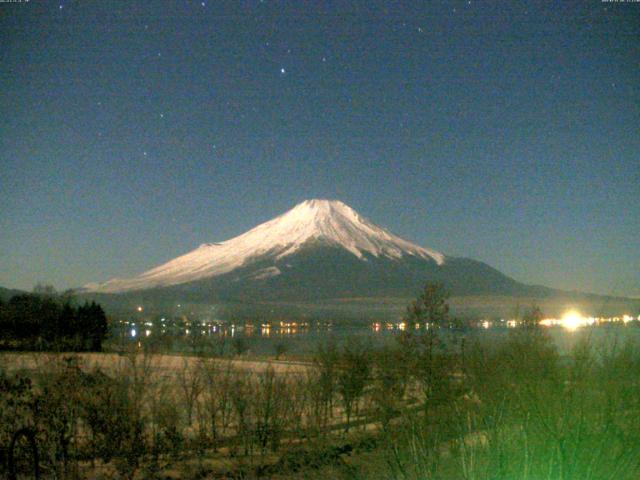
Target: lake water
304	341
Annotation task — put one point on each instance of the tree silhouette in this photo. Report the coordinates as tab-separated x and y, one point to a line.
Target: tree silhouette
430	308
35	320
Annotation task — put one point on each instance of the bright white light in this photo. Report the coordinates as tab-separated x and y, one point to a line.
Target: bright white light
571	320
133	332
139	309
147	332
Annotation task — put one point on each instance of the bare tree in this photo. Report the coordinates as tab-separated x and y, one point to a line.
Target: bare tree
190	383
353	376
241	392
271	401
326	362
217	403
390	380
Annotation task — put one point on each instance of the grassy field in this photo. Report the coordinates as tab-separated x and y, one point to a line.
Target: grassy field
502	408
157	364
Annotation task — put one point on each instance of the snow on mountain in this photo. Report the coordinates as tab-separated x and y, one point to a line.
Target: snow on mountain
329	221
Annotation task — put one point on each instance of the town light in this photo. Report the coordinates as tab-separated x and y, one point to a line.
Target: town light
571	320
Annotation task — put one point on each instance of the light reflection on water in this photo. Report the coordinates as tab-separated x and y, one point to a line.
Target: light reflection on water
303	338
306	342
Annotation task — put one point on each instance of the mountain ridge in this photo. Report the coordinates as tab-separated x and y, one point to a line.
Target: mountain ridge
317	219
318	250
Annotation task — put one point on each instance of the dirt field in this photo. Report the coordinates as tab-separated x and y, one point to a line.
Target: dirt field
157	362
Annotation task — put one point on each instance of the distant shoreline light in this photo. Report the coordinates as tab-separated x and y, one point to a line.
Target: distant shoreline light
572	320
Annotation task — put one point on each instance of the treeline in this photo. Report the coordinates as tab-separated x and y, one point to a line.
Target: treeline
427	406
415	409
134	419
36	321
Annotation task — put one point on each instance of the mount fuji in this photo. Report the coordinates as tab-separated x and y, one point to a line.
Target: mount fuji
320	249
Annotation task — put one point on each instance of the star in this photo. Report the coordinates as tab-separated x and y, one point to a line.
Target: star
324	59
144	154
162	115
60	7
203	4
283	71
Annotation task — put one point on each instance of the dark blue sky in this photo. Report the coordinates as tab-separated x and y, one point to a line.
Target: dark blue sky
133	131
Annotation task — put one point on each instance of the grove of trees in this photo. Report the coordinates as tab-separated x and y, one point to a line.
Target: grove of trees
36	321
422	406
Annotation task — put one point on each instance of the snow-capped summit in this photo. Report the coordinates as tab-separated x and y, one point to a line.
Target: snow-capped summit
334	222
329	222
320	249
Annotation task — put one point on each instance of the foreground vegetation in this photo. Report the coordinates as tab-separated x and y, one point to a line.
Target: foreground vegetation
44	320
416	409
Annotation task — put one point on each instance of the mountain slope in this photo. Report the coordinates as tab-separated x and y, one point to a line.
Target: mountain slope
320	249
330	222
318	272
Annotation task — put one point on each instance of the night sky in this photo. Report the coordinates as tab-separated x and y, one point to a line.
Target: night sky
133	131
